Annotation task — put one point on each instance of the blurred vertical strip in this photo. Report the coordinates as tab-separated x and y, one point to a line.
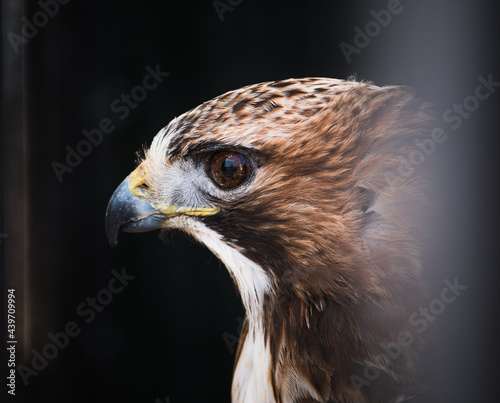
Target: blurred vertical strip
15	167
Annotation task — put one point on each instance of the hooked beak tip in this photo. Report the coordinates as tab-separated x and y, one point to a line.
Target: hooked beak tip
130	213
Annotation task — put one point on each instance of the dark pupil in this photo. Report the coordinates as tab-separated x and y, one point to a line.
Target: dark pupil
228	168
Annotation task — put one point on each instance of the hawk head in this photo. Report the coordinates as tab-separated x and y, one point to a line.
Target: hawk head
294	185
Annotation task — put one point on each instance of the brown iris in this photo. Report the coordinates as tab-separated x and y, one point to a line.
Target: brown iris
229	169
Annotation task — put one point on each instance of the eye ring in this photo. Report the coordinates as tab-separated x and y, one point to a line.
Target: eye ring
228	169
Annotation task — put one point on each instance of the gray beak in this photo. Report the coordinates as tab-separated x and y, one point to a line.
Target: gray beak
129	213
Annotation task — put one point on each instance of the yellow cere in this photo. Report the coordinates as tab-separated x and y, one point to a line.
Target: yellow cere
136	179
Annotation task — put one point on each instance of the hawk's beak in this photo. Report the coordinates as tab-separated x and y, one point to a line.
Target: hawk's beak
131	210
128	212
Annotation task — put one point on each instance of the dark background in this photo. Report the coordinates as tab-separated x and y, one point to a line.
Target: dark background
164	335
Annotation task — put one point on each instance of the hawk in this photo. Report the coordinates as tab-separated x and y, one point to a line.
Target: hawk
294	186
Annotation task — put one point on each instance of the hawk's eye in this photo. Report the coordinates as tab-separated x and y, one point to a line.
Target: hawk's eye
228	169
